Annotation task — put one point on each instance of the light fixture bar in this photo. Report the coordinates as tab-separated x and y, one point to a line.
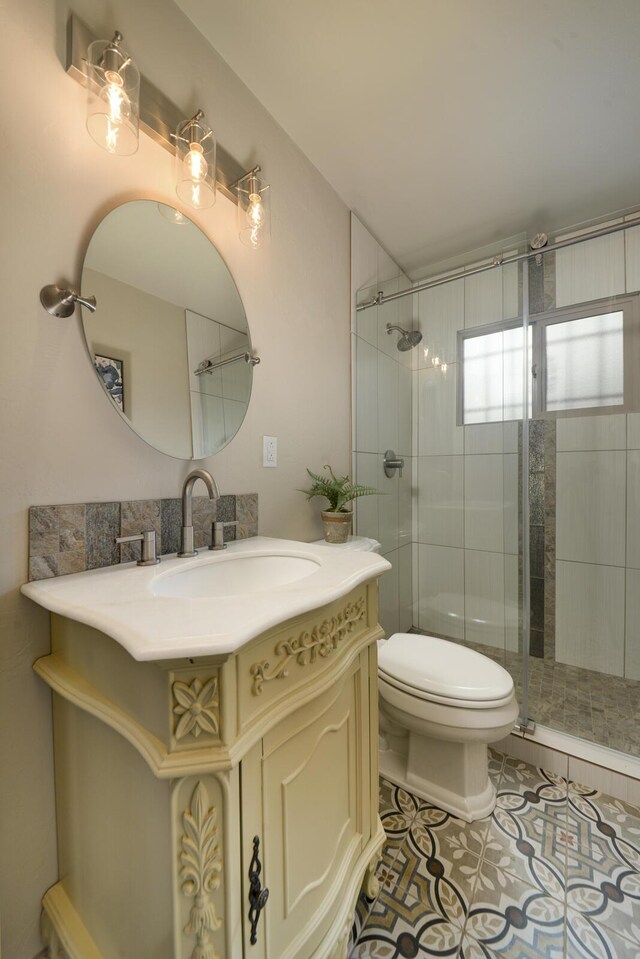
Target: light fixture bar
256	169
159	116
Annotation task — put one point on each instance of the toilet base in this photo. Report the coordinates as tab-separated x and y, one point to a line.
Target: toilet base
457	774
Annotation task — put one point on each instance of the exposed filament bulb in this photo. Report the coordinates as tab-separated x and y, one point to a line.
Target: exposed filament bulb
255	217
118	108
196	163
253	209
197	166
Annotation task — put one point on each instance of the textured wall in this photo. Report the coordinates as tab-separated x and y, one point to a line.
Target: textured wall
60	441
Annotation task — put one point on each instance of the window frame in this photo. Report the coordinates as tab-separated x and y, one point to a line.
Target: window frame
627	303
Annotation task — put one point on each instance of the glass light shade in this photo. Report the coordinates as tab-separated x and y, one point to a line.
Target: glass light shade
173	216
254	220
196	163
113	97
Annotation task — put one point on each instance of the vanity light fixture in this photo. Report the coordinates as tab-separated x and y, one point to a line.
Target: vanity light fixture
113	96
120	100
253	209
196	163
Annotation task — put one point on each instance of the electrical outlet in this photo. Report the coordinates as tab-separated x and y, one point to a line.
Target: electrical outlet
269	450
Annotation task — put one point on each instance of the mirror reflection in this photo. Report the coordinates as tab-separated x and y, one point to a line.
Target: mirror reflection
169	340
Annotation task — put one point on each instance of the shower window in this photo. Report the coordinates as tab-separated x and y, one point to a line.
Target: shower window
581	360
492	365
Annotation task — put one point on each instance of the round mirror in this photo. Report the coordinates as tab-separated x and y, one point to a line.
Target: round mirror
169	340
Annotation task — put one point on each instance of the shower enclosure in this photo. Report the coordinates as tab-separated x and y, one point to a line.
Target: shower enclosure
515	525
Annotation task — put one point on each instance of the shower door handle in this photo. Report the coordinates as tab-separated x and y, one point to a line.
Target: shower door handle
391	463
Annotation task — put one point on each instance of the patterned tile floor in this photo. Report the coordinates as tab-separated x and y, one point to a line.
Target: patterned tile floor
554	872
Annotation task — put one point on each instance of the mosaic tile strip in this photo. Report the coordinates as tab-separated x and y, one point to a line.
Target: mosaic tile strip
595	706
80	536
536	285
549	574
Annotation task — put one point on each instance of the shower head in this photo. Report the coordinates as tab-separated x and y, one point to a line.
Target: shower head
408	340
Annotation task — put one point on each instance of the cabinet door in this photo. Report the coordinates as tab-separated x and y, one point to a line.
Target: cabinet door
312	772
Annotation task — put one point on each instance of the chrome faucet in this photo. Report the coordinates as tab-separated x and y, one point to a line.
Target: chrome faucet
186	533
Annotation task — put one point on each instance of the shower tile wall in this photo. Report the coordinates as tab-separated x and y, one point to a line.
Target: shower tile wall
382	419
585	522
466	490
463	546
598	491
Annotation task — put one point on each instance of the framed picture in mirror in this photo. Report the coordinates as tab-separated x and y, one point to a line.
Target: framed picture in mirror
111	372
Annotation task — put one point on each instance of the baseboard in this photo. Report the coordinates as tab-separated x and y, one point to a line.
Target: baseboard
586	763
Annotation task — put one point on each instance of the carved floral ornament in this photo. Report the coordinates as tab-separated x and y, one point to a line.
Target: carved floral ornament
197	705
201	869
308	646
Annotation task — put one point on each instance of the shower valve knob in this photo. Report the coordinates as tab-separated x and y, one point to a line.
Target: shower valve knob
391	463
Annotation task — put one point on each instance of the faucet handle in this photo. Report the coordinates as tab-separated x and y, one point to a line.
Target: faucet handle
217	534
148	540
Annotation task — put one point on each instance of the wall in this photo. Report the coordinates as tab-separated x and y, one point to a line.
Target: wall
56	426
149	335
598	490
382	408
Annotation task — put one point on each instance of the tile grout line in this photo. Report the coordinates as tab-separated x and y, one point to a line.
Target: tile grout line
472	894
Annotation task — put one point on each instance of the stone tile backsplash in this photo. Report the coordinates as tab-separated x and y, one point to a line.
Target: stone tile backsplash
72	538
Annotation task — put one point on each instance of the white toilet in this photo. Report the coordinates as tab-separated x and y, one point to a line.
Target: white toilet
441	704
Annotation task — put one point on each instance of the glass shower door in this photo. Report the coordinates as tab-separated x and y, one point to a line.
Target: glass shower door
383	421
584	668
468	492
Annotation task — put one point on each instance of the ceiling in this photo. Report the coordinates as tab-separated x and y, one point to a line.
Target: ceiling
137	245
447	125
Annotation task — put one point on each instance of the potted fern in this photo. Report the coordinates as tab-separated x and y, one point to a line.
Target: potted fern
338	490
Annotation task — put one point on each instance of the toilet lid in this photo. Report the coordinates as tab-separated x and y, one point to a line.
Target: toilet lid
445	670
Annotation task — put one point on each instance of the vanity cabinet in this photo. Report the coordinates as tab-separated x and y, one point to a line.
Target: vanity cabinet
168	772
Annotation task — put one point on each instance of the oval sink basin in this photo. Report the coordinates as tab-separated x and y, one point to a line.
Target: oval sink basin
234	576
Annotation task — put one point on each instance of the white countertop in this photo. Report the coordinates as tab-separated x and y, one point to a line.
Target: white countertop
119	600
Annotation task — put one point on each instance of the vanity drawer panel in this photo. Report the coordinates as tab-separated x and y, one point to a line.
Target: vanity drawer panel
291	657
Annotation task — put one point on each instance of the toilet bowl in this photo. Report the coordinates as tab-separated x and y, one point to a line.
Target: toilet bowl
441	704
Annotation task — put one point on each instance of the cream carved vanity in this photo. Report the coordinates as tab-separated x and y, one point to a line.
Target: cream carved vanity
210	746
